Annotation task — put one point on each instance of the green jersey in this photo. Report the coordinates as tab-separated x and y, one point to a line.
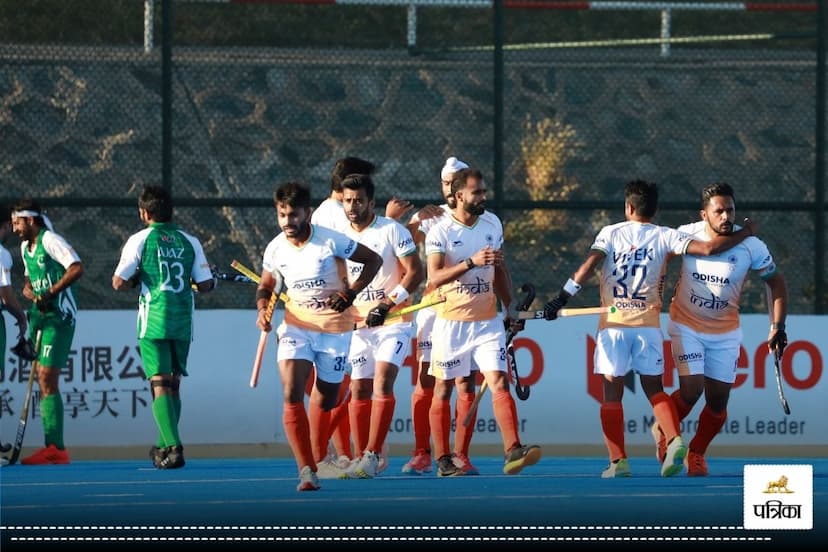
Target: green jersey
44	266
167	260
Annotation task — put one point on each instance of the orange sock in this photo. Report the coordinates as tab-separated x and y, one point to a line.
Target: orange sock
319	421
420	404
360	412
439	416
382	412
612	422
665	414
342	431
709	425
682	408
505	413
463	434
295	422
340	426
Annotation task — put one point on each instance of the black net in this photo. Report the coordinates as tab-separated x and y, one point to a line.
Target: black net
571	106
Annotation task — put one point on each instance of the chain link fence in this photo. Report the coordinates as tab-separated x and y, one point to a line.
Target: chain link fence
568	107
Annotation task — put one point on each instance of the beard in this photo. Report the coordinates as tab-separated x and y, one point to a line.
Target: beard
297	230
475	209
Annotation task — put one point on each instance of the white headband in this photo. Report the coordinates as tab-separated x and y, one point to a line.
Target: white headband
18	214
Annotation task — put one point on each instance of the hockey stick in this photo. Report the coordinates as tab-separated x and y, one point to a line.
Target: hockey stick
260	348
271	305
233	277
407	310
776	359
24	413
520	391
577	311
255	278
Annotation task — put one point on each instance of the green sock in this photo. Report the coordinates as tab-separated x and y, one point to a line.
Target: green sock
163	410
177	405
51	411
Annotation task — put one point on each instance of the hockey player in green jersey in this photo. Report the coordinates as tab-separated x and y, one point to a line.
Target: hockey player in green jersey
164	261
51	266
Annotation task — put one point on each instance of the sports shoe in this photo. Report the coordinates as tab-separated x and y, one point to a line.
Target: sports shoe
343	462
520	457
446	467
174	458
696	464
660	441
47	455
419	463
330	469
157	455
307	480
464	464
367	467
618	468
674	458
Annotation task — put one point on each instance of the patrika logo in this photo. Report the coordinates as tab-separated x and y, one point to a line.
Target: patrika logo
778	486
778	496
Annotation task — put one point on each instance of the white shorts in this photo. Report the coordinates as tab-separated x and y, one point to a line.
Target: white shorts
714	355
389	344
619	350
425	322
328	351
458	348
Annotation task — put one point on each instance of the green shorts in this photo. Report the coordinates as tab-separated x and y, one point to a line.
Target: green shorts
55	341
164	356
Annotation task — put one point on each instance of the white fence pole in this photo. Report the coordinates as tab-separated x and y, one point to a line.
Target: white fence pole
665	32
149	10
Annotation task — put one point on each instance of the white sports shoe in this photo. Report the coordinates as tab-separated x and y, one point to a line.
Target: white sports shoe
307	480
619	468
328	469
367	467
674	460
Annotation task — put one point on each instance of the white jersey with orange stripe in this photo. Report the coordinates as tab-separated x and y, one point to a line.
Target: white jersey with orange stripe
470	297
390	240
633	271
708	291
311	275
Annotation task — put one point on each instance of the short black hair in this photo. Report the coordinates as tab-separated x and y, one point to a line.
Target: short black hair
461	177
359	182
157	202
716	189
643	196
293	194
346	166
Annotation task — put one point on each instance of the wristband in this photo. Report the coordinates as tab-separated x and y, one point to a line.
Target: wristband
778	326
571	287
470	263
398	294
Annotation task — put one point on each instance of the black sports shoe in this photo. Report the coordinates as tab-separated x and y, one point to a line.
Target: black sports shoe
520	457
446	467
174	458
157	455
